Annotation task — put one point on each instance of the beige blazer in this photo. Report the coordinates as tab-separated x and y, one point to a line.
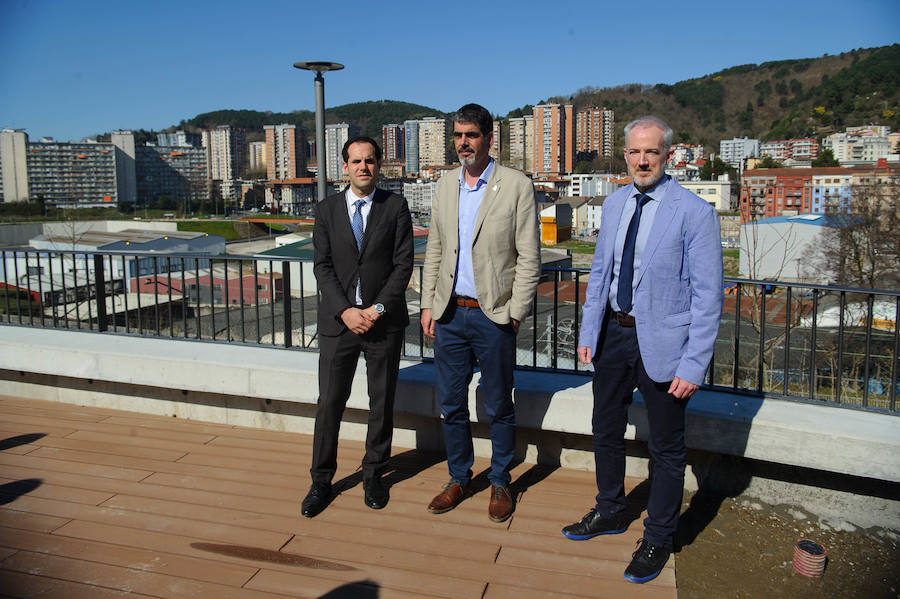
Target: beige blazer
506	255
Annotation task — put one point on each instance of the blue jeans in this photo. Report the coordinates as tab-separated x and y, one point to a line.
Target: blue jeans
462	337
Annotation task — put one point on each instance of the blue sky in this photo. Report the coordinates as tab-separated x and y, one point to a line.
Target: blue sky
74	69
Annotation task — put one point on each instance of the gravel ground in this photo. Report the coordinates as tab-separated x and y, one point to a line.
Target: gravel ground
742	548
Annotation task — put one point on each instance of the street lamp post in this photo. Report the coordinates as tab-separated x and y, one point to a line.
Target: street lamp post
320	67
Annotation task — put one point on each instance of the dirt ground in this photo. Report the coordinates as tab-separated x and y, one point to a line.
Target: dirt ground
744	549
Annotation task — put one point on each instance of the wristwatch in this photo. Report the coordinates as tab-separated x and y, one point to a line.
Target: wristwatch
379	308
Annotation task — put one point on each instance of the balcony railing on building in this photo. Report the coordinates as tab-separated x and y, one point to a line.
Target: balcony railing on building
797	341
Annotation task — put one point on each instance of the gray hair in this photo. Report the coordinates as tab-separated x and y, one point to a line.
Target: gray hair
651	121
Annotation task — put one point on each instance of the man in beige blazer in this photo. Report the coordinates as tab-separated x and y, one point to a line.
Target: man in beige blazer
481	271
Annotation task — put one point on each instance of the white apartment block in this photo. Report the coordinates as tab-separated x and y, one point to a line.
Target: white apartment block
591	185
521	140
686	153
180	139
859	145
13	165
719	194
257	155
419	195
495	146
433	138
225	148
335	138
734	151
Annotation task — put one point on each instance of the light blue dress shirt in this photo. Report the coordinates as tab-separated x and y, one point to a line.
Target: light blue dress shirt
364	210
469	203
648	214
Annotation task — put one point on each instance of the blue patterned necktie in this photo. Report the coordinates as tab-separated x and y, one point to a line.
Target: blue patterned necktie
626	267
357	223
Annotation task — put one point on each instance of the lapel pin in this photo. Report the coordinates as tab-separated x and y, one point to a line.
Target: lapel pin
494	188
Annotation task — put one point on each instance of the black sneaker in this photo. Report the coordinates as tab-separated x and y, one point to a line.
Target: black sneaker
594	524
647	562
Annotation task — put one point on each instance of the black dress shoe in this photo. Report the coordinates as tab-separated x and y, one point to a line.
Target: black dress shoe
316	500
376	494
594	524
647	562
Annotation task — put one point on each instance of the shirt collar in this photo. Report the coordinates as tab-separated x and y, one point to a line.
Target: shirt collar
352	197
658	191
482	178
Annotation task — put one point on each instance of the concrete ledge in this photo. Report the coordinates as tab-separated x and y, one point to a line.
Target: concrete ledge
823	438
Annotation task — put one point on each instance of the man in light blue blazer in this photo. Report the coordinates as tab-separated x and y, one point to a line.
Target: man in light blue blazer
651	316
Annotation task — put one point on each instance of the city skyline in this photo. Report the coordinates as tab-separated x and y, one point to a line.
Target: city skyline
77	70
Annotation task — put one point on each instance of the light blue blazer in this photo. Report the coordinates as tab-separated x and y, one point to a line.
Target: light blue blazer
678	295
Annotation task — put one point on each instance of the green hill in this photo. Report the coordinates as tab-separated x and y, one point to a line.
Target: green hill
807	97
370	116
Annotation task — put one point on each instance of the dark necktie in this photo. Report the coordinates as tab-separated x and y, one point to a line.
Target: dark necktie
357	223
626	267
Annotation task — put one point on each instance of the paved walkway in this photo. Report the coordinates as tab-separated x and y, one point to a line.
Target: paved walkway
102	503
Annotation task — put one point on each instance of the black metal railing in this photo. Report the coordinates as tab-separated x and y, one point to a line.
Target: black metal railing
803	342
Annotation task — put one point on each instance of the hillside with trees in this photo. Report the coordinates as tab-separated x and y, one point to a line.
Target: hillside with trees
804	97
807	97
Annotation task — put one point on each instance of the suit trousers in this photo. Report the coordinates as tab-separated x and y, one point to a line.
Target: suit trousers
462	336
618	368
338	357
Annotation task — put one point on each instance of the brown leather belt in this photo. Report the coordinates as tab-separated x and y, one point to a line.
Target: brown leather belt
623	318
467	302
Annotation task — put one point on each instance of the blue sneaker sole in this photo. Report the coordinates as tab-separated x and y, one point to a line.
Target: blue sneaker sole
596	534
637	580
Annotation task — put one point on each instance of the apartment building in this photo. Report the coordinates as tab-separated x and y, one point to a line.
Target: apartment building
521	143
554	147
419	195
685	154
226	149
496	145
335	138
176	172
832	192
719	194
434	136
411	146
591	185
802	150
735	151
860	145
392	137
13	165
257	151
180	139
770	192
285	151
595	130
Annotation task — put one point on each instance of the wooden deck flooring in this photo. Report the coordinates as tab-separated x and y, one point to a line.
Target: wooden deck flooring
102	503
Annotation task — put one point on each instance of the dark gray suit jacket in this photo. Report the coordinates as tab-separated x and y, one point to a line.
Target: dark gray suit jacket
383	264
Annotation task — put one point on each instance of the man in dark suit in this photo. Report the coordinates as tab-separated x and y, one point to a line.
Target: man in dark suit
363	260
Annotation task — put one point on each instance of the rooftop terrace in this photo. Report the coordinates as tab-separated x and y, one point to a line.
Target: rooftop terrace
103	503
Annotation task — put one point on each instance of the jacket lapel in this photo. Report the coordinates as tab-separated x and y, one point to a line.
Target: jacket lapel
491	191
665	215
376	214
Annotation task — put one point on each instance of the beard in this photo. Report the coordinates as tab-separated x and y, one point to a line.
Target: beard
466	161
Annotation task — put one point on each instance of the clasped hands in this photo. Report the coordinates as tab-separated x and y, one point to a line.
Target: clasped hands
360	320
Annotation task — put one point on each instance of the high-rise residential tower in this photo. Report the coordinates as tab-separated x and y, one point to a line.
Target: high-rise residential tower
285	155
553	139
335	138
392	142
594	130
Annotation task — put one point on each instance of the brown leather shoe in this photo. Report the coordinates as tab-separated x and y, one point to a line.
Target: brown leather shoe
501	506
449	498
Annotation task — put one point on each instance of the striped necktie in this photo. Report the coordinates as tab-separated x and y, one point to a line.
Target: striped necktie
357	223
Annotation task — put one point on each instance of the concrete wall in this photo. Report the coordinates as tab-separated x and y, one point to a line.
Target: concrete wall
840	463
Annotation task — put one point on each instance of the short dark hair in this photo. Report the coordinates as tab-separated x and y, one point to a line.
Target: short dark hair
365	139
474	113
